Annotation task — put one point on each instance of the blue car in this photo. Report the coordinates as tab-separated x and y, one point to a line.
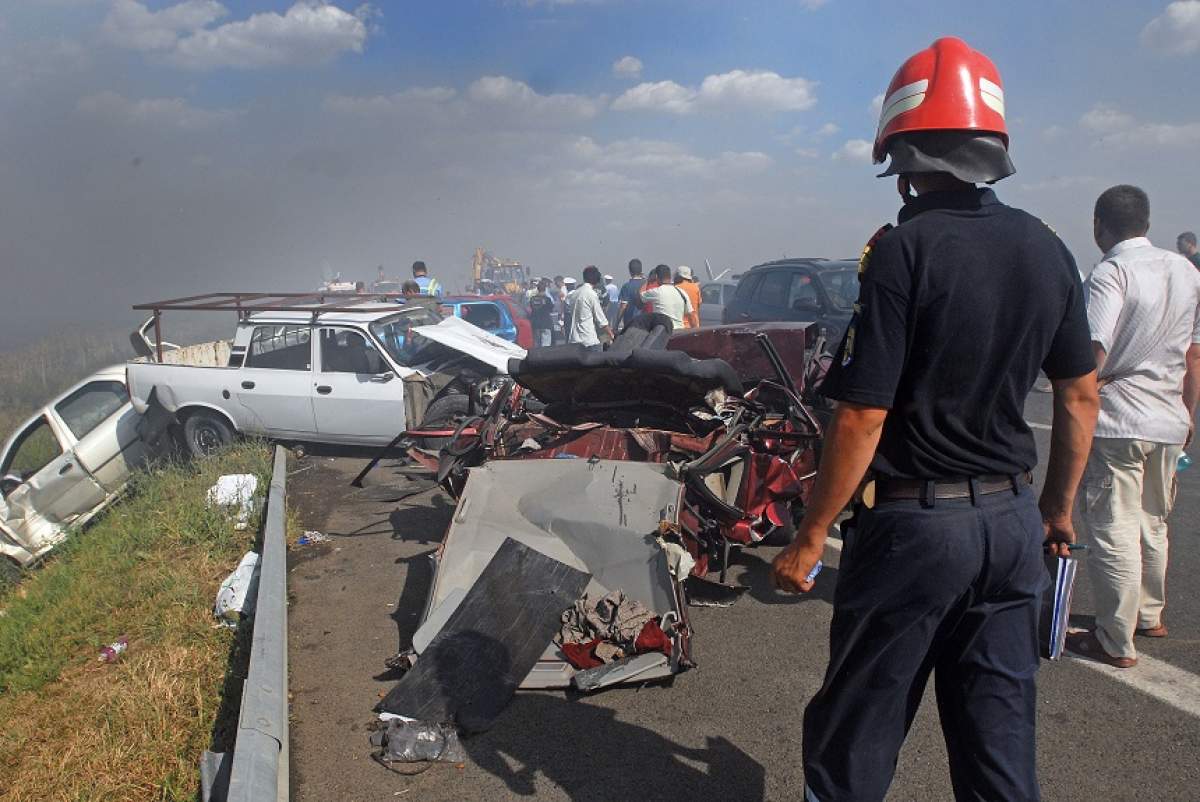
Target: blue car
498	315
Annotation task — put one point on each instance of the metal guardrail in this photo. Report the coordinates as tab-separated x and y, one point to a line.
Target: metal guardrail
257	769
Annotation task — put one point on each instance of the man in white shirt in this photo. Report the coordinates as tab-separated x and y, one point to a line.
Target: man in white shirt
1144	315
669	300
585	312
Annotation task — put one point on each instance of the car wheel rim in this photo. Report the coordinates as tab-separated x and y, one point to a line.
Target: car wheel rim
206	438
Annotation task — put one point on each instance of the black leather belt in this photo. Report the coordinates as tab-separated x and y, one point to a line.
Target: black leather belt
926	491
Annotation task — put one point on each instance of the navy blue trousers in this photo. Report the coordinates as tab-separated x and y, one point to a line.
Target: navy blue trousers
955	590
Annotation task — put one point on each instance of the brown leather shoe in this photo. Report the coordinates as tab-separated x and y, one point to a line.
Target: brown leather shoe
1159	631
1086	645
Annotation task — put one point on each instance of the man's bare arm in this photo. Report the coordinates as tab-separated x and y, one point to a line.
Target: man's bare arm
850	444
1191	388
1076	405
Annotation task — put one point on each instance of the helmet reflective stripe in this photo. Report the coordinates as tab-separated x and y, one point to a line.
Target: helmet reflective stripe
906	98
992	95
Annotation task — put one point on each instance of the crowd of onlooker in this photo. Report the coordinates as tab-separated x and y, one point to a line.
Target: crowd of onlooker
592	311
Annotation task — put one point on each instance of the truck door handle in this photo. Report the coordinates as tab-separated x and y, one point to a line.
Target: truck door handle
247	385
324	389
64	469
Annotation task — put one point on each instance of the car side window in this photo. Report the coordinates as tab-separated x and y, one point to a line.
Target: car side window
710	294
746	287
803	295
34	449
485	316
345	351
280	348
773	289
90	405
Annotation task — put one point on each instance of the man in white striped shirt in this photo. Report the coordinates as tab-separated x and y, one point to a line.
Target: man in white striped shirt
1144	315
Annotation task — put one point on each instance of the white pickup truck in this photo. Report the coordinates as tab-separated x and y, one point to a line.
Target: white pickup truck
343	377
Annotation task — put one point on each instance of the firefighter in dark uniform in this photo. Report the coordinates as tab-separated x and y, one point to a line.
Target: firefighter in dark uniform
960	306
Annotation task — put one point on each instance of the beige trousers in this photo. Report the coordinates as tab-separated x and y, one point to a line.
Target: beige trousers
1126	495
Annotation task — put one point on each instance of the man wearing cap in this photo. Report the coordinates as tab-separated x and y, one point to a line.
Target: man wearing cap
960	305
685	282
614	292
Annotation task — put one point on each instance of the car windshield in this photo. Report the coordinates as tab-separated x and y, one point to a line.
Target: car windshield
841	286
394	332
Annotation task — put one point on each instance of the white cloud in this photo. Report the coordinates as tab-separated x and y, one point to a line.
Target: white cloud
1061	183
639	156
828	129
171	112
1120	129
1103	118
658	96
505	92
877	105
396	102
310	32
1176	30
628	67
808	153
854	150
130	24
812	5
307	33
760	90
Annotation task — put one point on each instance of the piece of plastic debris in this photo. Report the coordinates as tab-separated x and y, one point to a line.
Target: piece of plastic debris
409	741
113	651
1184	463
680	562
311	537
235	490
237	594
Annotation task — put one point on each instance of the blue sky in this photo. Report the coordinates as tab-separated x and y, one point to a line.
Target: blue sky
159	147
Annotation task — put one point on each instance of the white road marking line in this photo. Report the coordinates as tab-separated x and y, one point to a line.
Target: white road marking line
1033	425
1166	683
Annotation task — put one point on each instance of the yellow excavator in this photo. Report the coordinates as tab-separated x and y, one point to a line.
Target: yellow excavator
494	276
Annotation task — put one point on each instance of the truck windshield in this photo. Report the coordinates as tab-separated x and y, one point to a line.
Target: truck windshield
394	332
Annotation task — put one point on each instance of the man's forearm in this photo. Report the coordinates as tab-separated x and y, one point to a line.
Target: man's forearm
850	444
1191	381
1076	405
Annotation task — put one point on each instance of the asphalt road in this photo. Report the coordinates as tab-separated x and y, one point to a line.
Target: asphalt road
729	729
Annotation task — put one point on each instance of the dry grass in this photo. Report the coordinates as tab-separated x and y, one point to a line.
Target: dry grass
72	728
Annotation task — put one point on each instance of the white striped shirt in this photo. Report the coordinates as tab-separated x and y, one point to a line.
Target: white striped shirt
1144	311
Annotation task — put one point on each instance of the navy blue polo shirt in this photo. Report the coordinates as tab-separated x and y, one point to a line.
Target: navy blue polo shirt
960	305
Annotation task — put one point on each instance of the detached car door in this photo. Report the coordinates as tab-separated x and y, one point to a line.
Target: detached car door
44	479
274	384
356	396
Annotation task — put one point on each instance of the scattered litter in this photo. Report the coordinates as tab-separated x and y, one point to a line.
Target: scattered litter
593	679
311	537
680	562
237	594
113	651
407	740
235	490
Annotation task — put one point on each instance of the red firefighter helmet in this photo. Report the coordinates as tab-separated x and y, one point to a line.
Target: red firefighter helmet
947	86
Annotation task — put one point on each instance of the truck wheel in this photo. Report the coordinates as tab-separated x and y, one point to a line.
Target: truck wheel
205	433
445	413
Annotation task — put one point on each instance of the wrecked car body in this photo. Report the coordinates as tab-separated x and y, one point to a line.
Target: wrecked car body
641	465
71	459
349	372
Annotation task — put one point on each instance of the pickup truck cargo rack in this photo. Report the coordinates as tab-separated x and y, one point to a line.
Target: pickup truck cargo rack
247	303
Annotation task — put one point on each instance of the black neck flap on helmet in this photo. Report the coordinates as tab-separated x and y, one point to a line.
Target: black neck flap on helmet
969	156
